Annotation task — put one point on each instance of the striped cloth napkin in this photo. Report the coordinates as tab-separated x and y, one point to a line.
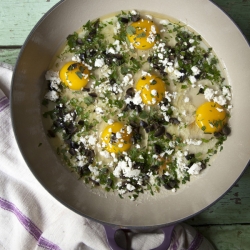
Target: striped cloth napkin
30	218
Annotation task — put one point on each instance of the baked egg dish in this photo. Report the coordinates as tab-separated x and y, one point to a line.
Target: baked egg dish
136	103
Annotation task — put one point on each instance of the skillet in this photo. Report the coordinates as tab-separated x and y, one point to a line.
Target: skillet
28	88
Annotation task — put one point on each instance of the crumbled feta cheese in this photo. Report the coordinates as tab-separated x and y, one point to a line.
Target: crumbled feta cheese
168	96
164	62
153	29
133	12
195	169
137	100
195	70
160	55
121	191
149	17
226	91
52	95
128	80
186	99
184	113
130	187
154	92
193	142
92	140
220	100
52	76
110	121
164	108
105	154
151	36
129	129
191	49
98	110
118	135
166	117
164	22
94	170
169	69
99	62
220	110
76	58
68	117
55	85
127	171
145	73
192	79
88	66
178	73
209	94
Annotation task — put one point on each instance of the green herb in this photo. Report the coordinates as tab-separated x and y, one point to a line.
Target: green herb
203	128
153	82
72	66
79	74
142	34
205	140
72	40
45	102
130	30
81	68
89	100
50	113
125	69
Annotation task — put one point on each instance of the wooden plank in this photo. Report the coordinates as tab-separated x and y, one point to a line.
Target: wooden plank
9	55
21	17
232	208
239	12
227	237
18	28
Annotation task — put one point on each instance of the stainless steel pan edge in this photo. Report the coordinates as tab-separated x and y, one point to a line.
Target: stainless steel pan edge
28	87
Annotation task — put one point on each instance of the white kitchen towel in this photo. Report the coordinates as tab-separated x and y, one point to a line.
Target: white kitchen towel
30	218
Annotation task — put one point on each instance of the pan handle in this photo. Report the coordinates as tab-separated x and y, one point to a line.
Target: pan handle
110	233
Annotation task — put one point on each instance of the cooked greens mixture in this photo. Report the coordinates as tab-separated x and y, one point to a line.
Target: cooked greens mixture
137	103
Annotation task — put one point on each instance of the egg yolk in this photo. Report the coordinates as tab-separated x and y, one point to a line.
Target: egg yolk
211	117
74	75
142	34
116	138
152	89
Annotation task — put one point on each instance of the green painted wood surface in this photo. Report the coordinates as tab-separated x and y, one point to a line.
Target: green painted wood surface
227	222
17	18
9	55
232	208
235	237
